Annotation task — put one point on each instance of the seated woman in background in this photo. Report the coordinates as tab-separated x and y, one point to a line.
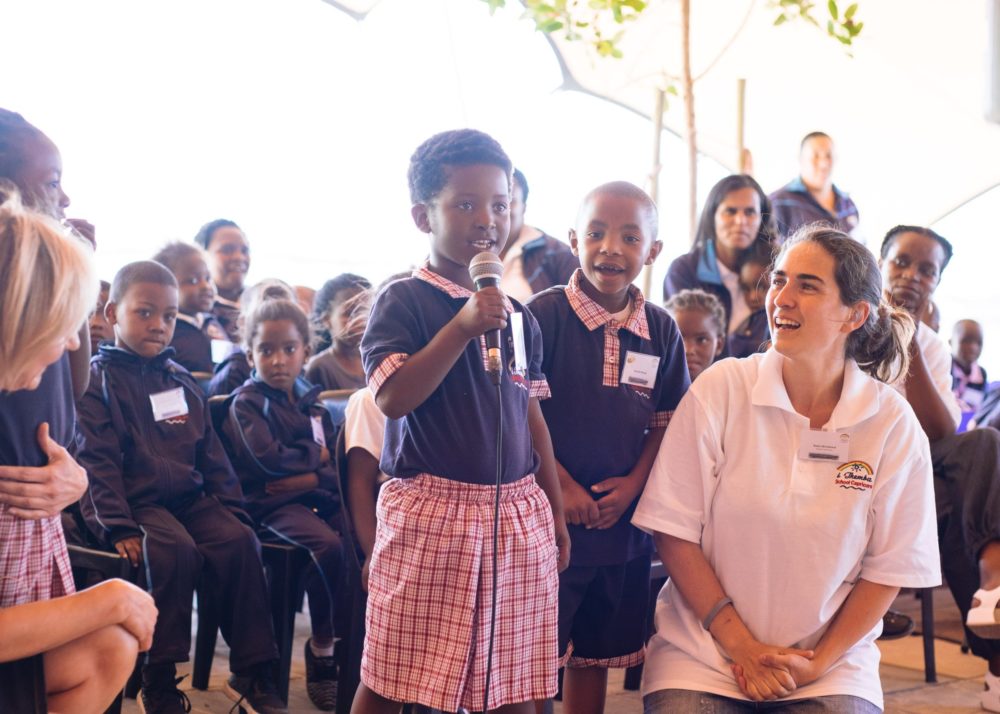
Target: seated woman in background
736	217
775	463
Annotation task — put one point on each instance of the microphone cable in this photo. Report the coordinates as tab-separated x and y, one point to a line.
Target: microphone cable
496	539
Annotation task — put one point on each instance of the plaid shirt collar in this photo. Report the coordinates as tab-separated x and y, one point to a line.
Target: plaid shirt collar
593	315
449	288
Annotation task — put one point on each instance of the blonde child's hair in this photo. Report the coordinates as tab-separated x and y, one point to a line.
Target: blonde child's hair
48	284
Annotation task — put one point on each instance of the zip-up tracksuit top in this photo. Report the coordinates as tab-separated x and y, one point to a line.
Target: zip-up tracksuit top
134	460
270	437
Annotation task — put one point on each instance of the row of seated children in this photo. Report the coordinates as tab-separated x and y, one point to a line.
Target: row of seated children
164	493
278	435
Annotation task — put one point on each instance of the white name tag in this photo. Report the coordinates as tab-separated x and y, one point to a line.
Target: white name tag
220	350
640	369
818	445
318	436
169	404
517	331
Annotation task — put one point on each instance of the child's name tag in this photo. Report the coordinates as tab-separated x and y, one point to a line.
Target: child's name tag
517	331
220	350
318	435
169	404
818	445
640	369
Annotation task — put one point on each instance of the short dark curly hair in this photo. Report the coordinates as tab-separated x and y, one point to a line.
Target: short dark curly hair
173	253
15	130
204	235
427	174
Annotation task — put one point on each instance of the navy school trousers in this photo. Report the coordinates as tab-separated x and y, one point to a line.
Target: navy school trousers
205	540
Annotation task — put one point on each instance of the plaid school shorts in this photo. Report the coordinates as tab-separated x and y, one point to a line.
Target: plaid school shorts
430	595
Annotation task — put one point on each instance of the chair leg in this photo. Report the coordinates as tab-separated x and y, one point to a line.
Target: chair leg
633	678
927	625
204	644
134	683
284	587
351	643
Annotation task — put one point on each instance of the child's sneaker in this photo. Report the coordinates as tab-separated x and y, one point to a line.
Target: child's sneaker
254	691
159	693
321	680
990	699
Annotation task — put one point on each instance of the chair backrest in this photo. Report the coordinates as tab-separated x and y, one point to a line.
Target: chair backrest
219	410
335	401
203	379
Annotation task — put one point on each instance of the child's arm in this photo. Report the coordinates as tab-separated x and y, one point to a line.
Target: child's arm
621	491
79	363
256	448
362	487
547	479
41	626
99	451
423	371
579	506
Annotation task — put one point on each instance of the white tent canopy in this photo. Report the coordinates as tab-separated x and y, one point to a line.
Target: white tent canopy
296	118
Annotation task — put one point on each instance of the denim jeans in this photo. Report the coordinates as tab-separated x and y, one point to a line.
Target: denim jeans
683	701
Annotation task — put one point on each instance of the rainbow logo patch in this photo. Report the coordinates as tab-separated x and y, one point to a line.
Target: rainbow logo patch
855	476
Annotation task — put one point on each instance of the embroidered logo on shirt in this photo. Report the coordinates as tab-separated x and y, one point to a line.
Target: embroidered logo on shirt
855	475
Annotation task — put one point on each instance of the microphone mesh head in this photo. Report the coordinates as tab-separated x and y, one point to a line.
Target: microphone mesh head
486	265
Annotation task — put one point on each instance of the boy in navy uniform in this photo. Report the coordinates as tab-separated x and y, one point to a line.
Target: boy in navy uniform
609	355
431	574
163	492
199	341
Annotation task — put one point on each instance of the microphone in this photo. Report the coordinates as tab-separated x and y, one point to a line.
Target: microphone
486	269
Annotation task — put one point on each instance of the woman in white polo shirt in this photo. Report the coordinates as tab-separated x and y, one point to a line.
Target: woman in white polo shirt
790	500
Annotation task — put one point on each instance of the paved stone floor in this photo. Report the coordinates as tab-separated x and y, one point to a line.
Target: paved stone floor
960	676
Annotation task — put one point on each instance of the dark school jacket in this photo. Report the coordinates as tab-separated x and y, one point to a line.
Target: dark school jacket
131	458
271	438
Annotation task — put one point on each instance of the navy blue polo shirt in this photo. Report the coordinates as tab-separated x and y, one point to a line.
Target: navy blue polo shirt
192	341
453	432
598	425
21	413
793	206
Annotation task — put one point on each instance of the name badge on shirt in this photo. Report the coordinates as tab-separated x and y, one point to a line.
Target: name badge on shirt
640	369
318	436
520	356
818	445
169	404
220	350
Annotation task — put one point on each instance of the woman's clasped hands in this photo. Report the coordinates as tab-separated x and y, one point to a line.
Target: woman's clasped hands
765	672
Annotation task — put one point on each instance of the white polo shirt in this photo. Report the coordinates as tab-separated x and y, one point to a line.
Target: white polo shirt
787	537
364	424
938	361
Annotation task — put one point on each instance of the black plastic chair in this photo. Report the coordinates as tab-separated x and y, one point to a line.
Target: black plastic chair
657	577
91	566
283	564
335	401
351	597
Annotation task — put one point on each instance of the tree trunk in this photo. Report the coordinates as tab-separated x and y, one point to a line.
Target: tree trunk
692	143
